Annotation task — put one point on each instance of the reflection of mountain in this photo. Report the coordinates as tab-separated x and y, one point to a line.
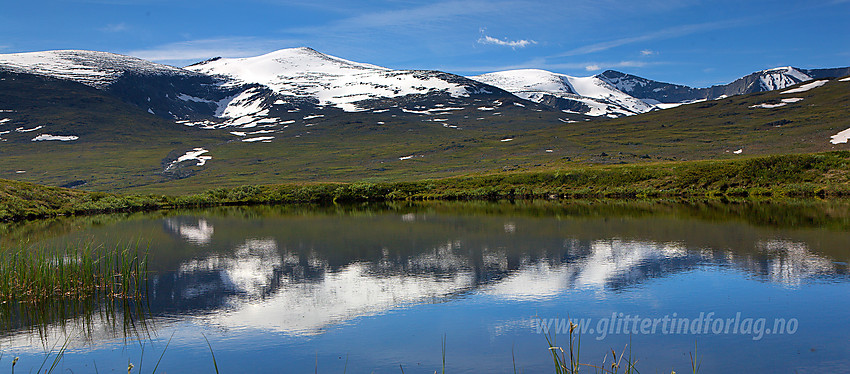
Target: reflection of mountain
301	274
261	286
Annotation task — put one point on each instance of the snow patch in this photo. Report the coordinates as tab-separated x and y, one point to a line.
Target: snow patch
841	137
783	102
44	137
258	139
739	151
21	129
185	97
844	79
806	87
406	157
506	139
4	120
194	154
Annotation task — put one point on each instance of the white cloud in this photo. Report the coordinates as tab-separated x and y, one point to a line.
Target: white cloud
593	67
647	52
522	43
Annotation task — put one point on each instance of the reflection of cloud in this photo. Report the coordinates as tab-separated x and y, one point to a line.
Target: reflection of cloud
196	234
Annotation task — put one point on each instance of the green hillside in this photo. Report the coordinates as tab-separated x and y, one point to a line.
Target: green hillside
125	149
806	175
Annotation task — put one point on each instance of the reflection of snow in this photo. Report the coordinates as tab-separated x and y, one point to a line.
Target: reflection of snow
248	271
353	291
608	261
196	234
792	262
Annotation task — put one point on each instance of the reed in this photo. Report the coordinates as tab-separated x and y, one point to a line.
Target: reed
36	274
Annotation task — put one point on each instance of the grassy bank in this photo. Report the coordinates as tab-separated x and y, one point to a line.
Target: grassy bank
76	272
802	175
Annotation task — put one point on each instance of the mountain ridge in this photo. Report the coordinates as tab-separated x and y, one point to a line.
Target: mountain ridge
245	92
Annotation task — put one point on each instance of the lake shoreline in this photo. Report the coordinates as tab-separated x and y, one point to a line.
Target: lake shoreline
815	176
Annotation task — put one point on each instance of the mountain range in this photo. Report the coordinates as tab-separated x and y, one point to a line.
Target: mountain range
144	123
235	92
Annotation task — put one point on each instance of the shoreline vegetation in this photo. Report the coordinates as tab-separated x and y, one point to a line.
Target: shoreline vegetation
817	175
35	275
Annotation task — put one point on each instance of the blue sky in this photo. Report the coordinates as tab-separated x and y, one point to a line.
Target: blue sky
698	43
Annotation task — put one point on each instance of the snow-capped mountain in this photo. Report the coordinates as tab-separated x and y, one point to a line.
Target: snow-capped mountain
656	93
586	95
277	87
157	88
303	75
92	68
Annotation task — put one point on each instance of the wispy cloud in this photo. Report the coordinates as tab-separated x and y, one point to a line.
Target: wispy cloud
522	43
620	64
187	52
115	27
647	52
668	33
538	63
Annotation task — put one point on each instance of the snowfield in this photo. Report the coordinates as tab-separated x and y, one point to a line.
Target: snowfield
306	73
96	69
536	85
779	78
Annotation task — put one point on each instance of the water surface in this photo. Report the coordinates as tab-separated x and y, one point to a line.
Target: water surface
370	288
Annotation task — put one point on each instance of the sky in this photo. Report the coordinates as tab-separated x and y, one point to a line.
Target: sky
691	42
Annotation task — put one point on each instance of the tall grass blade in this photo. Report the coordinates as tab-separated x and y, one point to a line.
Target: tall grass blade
215	364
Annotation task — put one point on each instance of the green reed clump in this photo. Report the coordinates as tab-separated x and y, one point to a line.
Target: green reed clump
74	272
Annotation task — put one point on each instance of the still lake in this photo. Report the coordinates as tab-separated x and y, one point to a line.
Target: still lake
376	288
